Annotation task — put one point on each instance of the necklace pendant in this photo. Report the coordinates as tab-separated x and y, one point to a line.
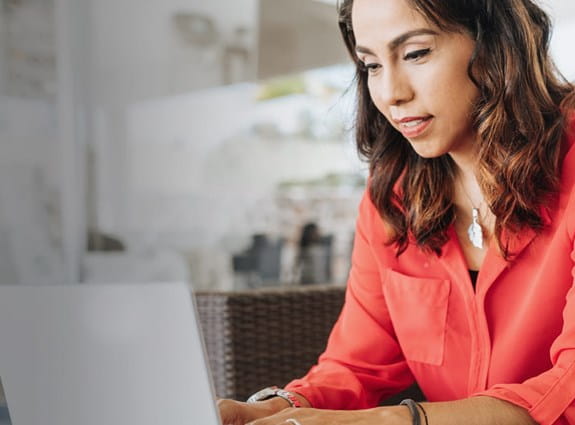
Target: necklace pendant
474	232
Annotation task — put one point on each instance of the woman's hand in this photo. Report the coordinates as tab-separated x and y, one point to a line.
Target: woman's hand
396	415
234	412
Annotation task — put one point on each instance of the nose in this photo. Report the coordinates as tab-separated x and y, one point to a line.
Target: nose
392	88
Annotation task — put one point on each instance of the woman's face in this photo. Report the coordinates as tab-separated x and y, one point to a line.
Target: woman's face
417	76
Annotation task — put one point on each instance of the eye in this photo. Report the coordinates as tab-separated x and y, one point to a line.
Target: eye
416	54
370	68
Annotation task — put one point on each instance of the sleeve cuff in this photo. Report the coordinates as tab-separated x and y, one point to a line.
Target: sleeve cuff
546	397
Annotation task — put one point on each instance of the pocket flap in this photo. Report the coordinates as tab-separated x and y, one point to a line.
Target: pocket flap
418	309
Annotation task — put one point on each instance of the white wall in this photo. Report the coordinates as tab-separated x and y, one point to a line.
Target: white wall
137	54
563	15
562	46
31	225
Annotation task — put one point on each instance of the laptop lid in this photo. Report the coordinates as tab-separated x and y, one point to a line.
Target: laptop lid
103	354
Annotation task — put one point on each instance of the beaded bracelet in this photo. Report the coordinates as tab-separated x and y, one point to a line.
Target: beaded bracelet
412	406
424	412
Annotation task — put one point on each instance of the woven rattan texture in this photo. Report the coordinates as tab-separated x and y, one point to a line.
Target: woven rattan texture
266	337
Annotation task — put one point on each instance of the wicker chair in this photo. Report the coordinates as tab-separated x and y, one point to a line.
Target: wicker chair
251	341
266	337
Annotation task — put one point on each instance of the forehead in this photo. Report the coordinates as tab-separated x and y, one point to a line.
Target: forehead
377	21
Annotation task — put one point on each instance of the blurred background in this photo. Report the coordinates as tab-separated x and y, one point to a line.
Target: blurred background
165	140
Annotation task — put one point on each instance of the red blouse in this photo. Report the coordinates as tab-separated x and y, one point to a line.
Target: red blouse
417	317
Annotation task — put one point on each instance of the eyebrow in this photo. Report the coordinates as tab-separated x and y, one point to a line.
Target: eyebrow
399	40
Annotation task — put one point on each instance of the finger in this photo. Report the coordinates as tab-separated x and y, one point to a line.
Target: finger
285	417
230	412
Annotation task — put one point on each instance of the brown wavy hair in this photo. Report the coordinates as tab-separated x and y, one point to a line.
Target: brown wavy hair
519	117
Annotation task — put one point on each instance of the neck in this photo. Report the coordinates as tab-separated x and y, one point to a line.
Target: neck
465	155
467	192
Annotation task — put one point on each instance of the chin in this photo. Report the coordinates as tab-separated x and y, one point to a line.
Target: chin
427	152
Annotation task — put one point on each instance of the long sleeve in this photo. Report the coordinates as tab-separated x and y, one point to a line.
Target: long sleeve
363	362
550	396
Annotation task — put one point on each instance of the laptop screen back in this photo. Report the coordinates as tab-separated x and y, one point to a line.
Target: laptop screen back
103	354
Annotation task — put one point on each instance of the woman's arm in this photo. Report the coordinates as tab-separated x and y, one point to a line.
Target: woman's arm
472	411
476	411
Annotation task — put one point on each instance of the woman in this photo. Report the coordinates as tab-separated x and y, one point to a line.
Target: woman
464	251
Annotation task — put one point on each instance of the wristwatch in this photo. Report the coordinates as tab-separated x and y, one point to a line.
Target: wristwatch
270	392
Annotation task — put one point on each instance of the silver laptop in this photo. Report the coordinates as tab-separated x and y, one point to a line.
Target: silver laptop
117	354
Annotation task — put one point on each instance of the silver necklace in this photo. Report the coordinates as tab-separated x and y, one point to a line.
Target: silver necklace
474	231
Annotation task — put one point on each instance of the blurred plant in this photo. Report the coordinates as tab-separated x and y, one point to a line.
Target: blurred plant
329	180
284	86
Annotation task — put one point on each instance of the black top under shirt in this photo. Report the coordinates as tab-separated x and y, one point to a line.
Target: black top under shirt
473	275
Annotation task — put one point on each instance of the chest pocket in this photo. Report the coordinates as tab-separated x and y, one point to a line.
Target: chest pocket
418	309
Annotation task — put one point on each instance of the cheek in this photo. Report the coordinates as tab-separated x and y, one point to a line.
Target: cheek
450	83
463	97
455	91
436	83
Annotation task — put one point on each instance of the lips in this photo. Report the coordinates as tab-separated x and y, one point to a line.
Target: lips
411	124
412	127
